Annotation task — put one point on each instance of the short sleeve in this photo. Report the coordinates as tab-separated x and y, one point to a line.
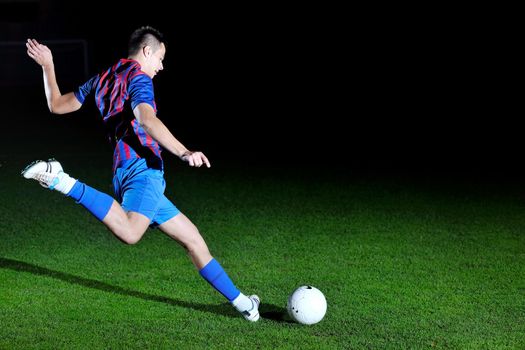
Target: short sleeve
141	91
84	90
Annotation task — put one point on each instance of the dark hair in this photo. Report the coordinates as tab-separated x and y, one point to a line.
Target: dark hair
144	36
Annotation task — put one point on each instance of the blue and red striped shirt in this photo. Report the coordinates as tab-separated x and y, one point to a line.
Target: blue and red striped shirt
117	91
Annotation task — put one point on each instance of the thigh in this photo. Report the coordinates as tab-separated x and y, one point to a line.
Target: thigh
181	229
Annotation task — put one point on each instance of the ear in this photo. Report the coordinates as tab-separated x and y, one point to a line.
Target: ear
146	51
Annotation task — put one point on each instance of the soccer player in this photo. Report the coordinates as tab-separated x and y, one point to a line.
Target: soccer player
123	94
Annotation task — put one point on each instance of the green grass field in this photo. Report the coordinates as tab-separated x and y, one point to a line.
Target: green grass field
403	264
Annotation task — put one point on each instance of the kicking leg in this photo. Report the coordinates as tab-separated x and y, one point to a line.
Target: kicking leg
128	227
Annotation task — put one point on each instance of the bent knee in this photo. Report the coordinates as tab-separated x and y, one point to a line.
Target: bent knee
131	240
130	235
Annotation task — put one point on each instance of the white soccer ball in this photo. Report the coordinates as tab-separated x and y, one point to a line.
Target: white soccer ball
307	305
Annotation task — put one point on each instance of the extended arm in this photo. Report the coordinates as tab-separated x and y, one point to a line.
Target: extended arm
159	132
57	103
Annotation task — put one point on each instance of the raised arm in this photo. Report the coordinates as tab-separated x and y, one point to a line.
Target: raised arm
56	102
147	118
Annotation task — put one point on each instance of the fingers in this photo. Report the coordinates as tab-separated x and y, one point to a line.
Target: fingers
33	45
31	48
38	52
31	54
201	159
206	161
197	159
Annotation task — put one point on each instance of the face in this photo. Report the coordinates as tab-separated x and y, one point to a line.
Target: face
153	60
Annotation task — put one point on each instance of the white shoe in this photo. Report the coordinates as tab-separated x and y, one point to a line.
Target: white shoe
43	172
253	314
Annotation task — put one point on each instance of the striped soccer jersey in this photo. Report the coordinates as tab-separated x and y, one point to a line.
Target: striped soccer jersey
117	91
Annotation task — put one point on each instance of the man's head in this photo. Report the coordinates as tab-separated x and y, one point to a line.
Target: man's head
146	45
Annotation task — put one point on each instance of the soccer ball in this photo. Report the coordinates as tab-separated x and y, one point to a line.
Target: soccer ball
306	305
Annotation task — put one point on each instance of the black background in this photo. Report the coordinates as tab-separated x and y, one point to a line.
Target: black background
374	88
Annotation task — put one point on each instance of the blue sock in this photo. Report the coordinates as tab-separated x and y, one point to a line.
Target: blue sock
218	278
96	202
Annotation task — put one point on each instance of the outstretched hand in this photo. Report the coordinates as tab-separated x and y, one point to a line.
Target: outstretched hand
40	53
196	159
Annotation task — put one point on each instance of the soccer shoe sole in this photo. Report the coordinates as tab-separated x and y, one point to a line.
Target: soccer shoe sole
39	166
34	168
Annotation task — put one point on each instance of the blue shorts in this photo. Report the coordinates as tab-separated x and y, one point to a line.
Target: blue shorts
141	189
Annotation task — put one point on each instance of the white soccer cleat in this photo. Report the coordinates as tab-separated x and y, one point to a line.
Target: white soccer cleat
43	172
253	314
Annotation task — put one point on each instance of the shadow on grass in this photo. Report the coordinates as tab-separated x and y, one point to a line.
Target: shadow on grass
275	313
267	311
21	266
